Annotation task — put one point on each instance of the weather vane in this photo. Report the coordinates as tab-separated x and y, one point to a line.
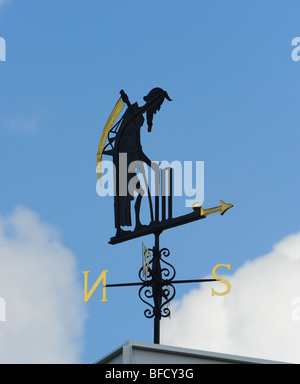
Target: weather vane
122	141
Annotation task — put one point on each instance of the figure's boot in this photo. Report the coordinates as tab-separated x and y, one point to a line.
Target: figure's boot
120	232
137	206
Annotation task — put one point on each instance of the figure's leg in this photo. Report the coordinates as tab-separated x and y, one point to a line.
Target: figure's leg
137	205
123	214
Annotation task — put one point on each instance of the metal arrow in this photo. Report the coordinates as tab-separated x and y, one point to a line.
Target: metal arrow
205	212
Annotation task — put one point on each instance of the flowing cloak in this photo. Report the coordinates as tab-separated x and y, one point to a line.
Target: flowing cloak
127	142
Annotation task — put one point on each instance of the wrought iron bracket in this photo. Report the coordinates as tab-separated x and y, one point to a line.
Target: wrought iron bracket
157	284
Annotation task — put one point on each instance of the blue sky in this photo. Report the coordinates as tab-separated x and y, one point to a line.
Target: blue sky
235	89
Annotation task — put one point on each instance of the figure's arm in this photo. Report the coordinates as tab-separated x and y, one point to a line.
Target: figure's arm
147	161
144	158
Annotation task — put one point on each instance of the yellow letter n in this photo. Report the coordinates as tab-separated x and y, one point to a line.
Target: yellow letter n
87	295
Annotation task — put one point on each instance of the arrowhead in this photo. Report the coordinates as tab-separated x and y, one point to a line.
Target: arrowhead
224	207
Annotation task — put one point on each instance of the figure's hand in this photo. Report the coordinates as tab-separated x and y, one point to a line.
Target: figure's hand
125	98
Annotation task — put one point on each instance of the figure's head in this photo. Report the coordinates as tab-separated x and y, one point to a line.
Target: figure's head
154	100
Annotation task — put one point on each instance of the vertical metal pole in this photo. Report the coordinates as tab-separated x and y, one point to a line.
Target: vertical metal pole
156	288
156	330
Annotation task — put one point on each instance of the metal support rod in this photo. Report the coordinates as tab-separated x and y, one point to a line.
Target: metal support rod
156	288
165	283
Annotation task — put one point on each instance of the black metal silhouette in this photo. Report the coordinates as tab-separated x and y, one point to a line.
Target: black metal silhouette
124	143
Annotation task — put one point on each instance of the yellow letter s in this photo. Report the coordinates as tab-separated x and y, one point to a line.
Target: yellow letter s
224	281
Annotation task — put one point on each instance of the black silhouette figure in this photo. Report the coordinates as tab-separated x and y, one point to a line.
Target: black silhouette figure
127	148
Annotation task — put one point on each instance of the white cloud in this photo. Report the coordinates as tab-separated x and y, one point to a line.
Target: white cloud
258	318
39	283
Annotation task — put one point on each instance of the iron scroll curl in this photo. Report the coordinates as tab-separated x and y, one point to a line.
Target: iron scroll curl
157	284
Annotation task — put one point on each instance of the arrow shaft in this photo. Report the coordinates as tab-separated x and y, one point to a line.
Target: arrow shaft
209	211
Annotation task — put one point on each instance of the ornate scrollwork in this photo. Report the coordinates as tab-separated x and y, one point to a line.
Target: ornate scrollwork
169	272
157	277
